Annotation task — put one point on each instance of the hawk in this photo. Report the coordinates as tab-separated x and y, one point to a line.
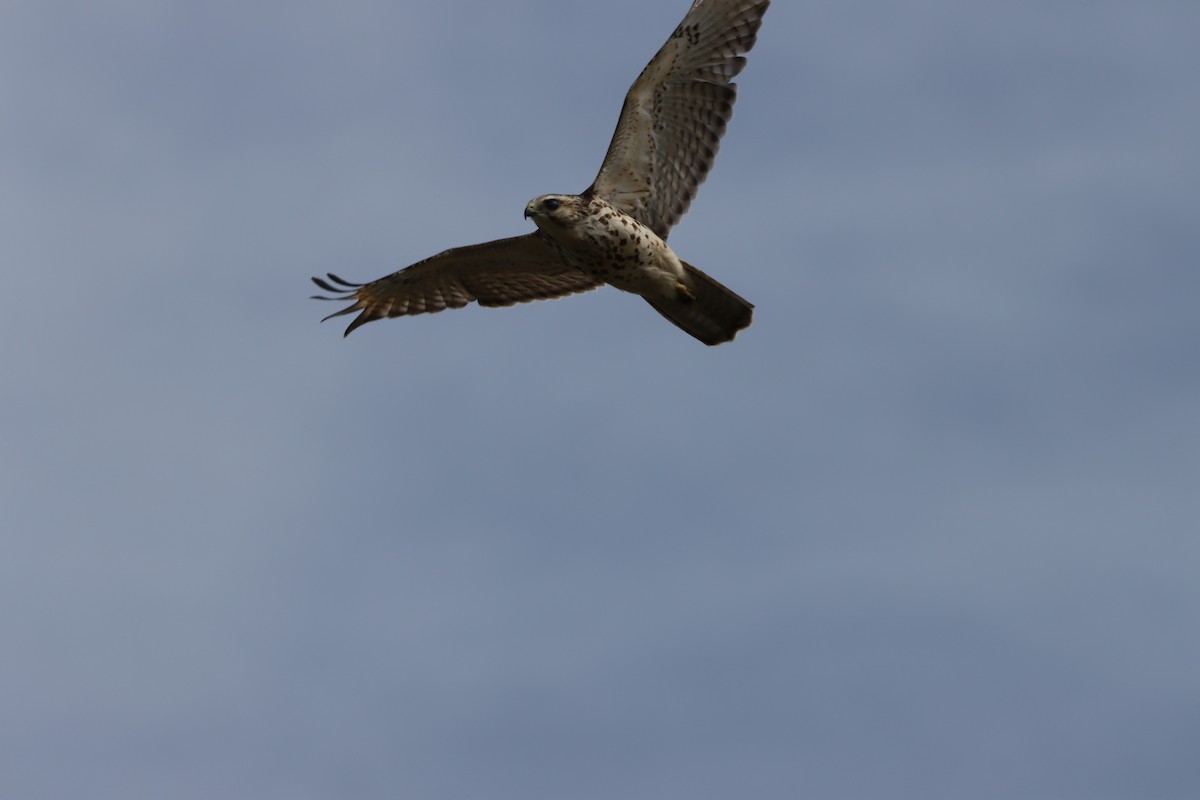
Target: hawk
615	231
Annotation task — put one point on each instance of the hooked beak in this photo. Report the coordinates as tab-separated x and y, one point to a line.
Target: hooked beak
529	211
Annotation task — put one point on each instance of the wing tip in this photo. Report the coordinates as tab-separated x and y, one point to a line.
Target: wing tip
342	289
336	285
361	319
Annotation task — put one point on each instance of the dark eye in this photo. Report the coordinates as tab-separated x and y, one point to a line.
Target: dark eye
551	204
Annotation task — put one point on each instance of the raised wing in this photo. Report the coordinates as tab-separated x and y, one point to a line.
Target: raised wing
676	112
498	273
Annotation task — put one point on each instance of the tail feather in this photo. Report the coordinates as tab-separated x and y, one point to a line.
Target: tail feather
714	316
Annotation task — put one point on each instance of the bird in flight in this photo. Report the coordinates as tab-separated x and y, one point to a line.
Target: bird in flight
615	231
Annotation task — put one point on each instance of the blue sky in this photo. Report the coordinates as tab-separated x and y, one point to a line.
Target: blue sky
927	529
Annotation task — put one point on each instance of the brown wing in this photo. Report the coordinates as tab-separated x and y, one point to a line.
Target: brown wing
676	112
498	273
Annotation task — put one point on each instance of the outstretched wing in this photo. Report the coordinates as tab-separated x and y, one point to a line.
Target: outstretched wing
676	112
498	273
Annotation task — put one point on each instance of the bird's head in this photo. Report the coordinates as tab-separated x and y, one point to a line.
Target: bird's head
554	210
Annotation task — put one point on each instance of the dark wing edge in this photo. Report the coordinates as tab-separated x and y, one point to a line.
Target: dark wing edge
676	112
504	272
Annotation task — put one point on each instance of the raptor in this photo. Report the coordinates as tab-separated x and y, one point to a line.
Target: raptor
615	231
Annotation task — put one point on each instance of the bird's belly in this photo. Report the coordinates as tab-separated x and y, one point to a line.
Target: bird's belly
639	266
